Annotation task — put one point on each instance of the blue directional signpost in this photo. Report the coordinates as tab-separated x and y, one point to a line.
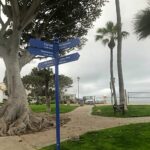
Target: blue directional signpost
62	60
37	47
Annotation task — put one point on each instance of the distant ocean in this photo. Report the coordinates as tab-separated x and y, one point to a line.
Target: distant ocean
139	101
134	101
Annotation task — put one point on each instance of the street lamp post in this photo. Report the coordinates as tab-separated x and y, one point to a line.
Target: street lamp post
78	78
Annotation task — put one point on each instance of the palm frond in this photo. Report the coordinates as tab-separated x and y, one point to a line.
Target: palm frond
125	34
115	28
105	41
103	31
109	25
98	37
110	31
112	28
142	23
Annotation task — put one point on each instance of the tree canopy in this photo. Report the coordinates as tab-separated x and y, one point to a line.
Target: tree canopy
142	23
41	82
46	19
109	32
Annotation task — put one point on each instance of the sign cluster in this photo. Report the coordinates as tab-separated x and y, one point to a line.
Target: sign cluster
37	47
42	48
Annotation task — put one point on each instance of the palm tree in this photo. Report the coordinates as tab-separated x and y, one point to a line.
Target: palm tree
108	35
142	23
119	55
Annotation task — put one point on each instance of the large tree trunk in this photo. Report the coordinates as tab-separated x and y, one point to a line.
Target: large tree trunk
112	77
15	116
119	54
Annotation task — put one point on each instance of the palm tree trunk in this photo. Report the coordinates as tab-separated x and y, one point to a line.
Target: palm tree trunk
112	76
119	55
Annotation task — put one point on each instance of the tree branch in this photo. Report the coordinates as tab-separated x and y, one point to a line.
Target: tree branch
1	21
24	58
15	12
28	17
30	14
58	4
15	7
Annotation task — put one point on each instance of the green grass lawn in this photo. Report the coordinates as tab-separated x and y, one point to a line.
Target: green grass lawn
42	108
129	137
133	111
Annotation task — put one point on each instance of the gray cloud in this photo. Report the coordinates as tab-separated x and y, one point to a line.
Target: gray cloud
93	66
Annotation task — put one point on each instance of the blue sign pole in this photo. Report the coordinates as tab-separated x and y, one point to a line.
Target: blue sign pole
37	47
56	55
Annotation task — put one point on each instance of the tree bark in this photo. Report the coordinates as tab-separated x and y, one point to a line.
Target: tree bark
119	55
16	108
15	115
112	77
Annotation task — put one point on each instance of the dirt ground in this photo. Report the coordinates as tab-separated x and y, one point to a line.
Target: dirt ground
81	122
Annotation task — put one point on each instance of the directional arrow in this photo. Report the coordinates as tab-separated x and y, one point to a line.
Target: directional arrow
62	60
40	44
46	64
69	58
39	51
69	44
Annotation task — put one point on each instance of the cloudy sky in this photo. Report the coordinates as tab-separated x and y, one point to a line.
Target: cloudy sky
93	65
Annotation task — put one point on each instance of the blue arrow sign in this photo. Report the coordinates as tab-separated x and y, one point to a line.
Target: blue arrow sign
62	60
69	58
39	51
69	44
46	64
40	44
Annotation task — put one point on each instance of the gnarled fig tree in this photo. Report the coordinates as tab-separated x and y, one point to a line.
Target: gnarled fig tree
39	19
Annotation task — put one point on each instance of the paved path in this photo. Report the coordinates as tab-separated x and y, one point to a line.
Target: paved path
81	122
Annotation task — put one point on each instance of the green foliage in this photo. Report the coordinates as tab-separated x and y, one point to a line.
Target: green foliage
133	111
64	18
65	82
108	34
45	19
43	108
142	23
129	137
40	82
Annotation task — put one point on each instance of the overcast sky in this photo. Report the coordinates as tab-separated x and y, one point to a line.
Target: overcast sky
93	65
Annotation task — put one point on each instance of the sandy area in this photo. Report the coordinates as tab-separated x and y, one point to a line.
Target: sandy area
81	122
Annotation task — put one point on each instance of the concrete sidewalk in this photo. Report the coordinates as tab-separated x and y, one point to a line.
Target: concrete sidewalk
14	143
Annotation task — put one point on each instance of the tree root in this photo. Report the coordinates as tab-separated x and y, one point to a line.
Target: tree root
3	127
19	120
27	122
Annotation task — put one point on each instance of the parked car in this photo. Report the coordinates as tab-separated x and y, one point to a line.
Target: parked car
89	101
